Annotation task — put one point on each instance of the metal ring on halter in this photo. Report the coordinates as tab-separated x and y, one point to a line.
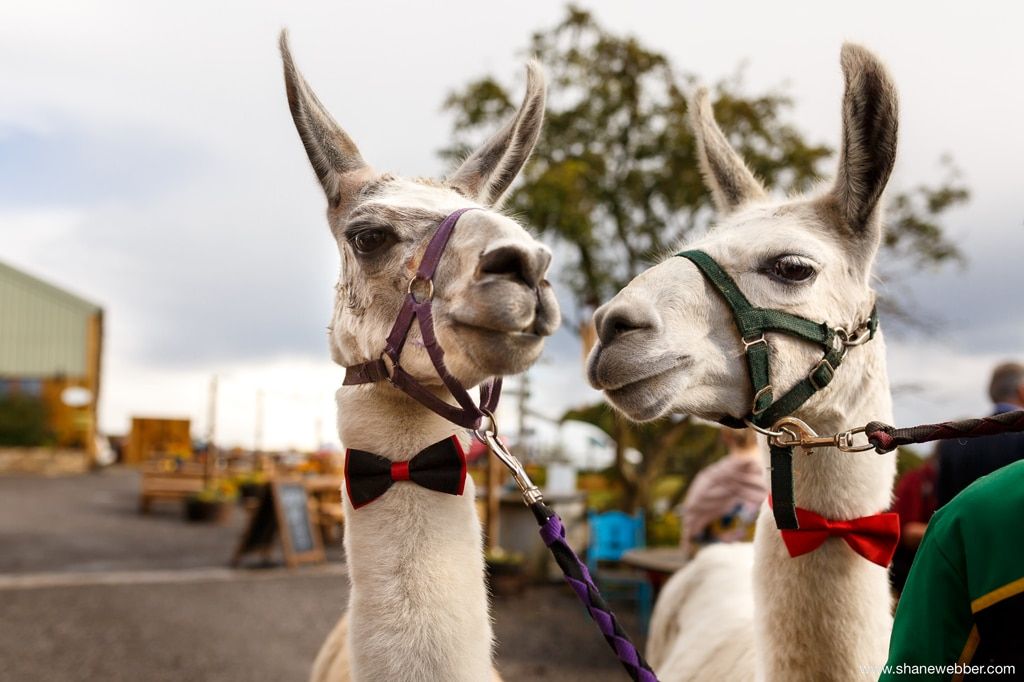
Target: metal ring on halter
840	340
430	288
389	364
767	390
863	335
480	433
763	431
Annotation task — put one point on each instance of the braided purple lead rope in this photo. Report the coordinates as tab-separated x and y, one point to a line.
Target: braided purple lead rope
887	438
576	574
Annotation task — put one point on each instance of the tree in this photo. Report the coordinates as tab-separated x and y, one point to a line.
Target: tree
23	421
680	446
615	180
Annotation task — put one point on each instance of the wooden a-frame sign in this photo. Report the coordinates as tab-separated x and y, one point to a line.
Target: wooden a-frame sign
283	512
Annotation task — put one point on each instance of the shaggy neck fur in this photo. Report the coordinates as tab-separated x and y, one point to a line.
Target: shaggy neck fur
826	615
418	607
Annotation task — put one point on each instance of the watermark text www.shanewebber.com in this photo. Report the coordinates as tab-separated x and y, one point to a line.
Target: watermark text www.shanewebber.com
948	669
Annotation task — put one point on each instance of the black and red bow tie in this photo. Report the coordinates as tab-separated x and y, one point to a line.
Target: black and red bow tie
440	467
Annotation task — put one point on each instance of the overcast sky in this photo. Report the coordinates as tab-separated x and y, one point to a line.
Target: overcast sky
148	163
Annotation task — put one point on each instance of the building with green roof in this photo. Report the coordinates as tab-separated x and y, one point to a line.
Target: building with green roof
51	344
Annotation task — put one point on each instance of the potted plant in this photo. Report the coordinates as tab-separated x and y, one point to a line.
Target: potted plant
505	572
250	485
212	503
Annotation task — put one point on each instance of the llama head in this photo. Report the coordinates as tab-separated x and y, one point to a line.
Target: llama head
668	342
492	306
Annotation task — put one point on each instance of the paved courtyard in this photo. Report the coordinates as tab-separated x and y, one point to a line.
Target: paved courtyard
91	590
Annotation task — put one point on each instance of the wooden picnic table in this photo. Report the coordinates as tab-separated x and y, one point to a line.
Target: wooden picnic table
659	562
163	481
325	491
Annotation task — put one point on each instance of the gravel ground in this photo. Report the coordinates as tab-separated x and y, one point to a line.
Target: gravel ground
84	534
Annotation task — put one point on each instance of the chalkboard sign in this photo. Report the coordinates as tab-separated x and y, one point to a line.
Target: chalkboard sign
283	512
297	530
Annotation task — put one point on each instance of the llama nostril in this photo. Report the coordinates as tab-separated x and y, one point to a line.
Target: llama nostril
516	263
621	320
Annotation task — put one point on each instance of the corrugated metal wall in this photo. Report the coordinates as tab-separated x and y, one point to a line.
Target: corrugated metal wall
42	328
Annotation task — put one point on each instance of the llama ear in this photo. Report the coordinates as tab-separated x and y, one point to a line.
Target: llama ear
870	122
726	175
331	151
487	173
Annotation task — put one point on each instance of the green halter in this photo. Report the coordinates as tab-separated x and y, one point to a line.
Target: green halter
753	323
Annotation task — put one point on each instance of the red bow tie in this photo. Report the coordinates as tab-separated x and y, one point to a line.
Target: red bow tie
873	537
440	467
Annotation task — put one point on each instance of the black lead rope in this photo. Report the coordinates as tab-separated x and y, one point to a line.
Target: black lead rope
783	501
887	438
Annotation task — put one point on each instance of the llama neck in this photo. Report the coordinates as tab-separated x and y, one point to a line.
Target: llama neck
418	607
826	615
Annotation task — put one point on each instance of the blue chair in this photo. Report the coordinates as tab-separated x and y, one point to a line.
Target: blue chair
611	535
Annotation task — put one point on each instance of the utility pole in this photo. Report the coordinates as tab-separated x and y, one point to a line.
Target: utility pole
257	437
496	472
588	334
522	398
211	431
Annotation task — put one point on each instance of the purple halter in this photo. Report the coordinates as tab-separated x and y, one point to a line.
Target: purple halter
467	414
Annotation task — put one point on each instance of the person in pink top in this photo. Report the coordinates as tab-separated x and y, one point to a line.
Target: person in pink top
724	499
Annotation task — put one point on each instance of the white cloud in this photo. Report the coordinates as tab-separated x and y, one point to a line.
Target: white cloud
298	401
934	382
179	197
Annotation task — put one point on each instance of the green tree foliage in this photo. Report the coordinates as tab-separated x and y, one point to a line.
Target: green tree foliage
615	176
616	184
679	445
23	421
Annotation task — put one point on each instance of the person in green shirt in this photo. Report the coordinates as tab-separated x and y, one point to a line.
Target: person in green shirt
962	610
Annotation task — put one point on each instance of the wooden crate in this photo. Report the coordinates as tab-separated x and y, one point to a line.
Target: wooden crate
154	437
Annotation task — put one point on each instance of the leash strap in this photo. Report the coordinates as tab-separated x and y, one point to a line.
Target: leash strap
579	579
467	413
783	501
552	532
887	438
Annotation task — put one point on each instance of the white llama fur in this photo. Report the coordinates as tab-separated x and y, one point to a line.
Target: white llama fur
418	607
668	343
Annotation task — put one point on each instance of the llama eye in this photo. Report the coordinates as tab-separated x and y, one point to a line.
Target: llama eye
366	242
793	269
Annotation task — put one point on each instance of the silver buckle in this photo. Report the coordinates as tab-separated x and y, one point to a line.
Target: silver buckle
389	365
810	376
757	396
747	344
